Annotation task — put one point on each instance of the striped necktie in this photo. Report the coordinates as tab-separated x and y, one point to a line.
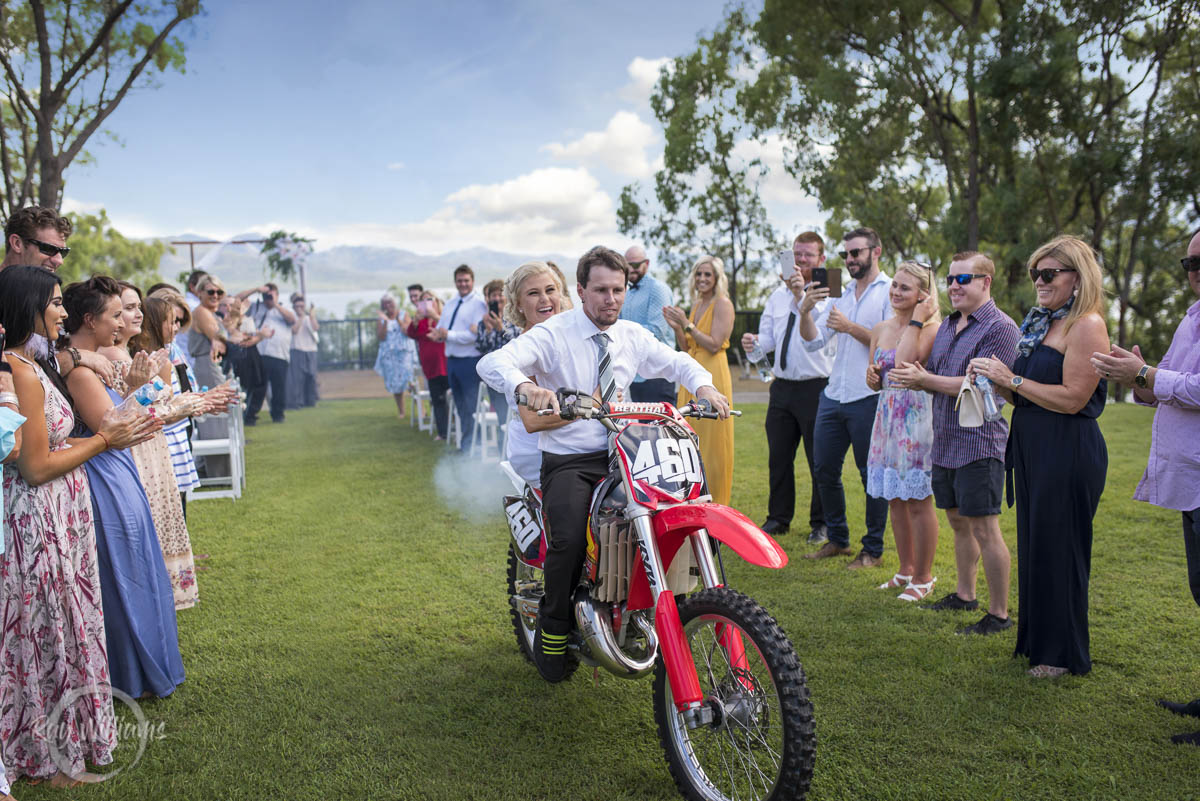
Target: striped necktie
607	385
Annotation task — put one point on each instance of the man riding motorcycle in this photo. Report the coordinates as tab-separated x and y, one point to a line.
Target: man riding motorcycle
582	348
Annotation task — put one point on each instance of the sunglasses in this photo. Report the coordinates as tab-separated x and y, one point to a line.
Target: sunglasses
639	263
853	253
962	279
1190	263
47	249
214	292
1048	275
178	321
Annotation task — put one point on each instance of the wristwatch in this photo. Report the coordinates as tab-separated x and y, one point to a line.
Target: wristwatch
688	328
1140	378
1016	382
916	323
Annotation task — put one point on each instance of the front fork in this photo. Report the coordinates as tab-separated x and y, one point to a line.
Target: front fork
673	642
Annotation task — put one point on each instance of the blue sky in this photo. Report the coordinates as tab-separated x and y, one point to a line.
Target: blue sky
433	127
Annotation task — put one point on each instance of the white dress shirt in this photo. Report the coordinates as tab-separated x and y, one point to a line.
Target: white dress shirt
560	353
279	344
460	339
848	378
802	364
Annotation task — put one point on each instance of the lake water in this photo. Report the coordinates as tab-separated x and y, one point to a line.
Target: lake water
332	305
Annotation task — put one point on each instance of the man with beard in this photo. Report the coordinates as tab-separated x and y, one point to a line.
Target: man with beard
582	348
644	302
800	377
846	413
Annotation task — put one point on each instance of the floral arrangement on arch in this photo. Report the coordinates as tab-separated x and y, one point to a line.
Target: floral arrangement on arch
286	253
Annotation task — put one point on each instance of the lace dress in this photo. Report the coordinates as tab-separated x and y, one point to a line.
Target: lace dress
153	459
394	362
900	464
53	644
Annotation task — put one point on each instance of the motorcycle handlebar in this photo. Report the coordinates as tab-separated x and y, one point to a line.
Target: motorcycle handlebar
570	410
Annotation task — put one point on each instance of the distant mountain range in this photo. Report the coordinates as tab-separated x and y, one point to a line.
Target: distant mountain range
350	268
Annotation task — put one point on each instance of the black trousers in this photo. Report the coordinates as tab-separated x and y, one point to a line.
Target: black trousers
1191	546
791	413
277	373
567	484
437	399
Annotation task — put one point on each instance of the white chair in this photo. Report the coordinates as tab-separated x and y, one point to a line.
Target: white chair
454	427
485	441
422	411
233	446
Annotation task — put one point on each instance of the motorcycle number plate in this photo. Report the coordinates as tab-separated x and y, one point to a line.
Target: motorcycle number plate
522	522
661	460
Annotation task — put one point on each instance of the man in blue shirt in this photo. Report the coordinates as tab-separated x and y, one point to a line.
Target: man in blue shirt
644	302
459	317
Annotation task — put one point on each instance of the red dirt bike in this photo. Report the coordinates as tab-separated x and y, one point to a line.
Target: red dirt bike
730	699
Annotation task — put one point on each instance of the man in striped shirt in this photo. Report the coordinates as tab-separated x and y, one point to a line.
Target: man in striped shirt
968	463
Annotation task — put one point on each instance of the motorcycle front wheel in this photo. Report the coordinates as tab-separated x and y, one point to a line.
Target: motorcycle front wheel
760	742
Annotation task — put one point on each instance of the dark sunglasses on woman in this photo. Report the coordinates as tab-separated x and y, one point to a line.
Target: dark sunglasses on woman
214	292
1048	275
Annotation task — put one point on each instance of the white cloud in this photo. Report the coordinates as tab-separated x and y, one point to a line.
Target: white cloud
132	226
777	186
621	146
643	75
396	165
552	210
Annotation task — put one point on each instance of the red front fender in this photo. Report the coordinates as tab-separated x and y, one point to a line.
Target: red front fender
728	525
675	524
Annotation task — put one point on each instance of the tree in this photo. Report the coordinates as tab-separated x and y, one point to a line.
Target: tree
707	192
989	125
98	248
66	66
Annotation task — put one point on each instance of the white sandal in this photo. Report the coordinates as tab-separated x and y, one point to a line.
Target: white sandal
898	580
915	592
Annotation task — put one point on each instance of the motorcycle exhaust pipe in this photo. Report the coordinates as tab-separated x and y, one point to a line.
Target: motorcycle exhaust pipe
601	644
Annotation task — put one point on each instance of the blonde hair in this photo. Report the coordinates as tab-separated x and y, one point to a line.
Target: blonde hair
208	281
1071	251
173	297
512	289
926	282
721	286
437	302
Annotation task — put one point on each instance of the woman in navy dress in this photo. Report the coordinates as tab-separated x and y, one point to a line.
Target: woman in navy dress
1056	453
139	604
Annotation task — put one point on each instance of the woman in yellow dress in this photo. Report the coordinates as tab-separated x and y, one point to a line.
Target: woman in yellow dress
705	336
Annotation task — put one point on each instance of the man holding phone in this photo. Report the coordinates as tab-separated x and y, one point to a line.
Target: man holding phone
846	411
275	351
800	378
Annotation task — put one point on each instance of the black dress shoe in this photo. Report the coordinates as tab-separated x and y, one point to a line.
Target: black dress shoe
1192	709
774	529
1187	739
818	535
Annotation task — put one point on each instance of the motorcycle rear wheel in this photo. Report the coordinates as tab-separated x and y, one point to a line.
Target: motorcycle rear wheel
761	743
523	629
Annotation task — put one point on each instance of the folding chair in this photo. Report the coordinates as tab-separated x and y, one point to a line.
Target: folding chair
485	444
232	446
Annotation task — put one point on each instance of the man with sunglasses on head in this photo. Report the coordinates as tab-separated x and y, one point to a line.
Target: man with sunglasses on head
846	409
1172	477
644	302
968	463
37	235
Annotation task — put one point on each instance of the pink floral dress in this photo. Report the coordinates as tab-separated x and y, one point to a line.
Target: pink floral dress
56	709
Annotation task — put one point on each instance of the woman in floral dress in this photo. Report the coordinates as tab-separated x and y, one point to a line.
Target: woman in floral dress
394	361
56	709
900	463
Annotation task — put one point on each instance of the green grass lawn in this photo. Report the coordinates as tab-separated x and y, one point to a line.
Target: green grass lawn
353	641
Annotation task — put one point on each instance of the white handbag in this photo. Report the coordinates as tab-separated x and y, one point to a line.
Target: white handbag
969	405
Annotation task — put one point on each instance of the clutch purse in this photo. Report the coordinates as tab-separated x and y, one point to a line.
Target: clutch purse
969	405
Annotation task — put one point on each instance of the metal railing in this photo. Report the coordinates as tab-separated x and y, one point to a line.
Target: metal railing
348	344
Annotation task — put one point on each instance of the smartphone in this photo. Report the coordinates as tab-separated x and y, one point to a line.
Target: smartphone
832	279
787	263
422	306
494	307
